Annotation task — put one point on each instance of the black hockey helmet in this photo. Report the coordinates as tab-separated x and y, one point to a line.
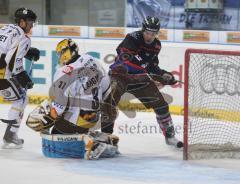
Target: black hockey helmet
25	14
151	24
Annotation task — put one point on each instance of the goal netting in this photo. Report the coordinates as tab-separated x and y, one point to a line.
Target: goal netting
212	104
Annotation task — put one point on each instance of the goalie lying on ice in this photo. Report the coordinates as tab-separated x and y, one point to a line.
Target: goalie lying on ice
77	94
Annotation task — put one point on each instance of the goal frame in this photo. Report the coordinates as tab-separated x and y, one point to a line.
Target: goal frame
188	53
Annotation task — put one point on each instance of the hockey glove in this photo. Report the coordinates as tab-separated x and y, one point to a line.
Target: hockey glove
24	80
166	78
33	54
121	71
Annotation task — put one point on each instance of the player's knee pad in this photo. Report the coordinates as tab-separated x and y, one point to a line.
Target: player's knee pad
13	90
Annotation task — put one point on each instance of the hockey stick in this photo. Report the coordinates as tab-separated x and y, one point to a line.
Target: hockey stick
181	82
31	68
29	73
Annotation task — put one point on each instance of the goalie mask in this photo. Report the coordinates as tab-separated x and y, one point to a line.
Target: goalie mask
66	50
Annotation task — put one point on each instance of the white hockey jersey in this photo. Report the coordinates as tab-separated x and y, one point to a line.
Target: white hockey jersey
15	44
78	90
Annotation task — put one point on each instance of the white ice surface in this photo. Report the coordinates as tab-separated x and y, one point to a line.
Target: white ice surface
145	159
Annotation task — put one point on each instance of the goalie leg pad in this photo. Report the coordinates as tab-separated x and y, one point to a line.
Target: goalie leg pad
76	146
105	145
63	146
104	150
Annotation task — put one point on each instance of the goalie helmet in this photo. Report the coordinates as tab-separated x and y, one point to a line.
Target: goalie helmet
25	14
66	50
151	24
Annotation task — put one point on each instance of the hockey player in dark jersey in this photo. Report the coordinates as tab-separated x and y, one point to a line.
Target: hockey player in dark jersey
136	71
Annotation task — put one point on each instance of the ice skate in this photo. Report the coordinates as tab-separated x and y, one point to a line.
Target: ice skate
11	140
170	138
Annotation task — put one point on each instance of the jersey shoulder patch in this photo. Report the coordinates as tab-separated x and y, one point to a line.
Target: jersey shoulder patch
64	70
67	69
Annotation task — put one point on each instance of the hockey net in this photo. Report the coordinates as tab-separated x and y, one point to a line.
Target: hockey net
211	104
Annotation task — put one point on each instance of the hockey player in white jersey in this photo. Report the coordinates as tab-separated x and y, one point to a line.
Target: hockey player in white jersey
79	88
14	80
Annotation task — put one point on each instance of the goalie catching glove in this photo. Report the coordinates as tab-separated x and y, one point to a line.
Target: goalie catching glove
39	119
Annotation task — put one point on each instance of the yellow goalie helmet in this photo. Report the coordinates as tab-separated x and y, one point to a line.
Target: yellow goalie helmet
66	50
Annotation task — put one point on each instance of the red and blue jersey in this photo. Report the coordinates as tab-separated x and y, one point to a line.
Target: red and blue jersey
137	56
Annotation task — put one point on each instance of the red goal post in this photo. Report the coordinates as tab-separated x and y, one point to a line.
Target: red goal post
211	98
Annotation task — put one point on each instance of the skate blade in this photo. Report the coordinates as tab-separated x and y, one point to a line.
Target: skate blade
11	146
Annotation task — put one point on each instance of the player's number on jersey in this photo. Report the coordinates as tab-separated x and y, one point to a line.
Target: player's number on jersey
3	38
95	102
62	85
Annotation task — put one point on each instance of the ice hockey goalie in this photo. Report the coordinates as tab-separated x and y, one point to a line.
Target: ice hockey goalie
68	122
